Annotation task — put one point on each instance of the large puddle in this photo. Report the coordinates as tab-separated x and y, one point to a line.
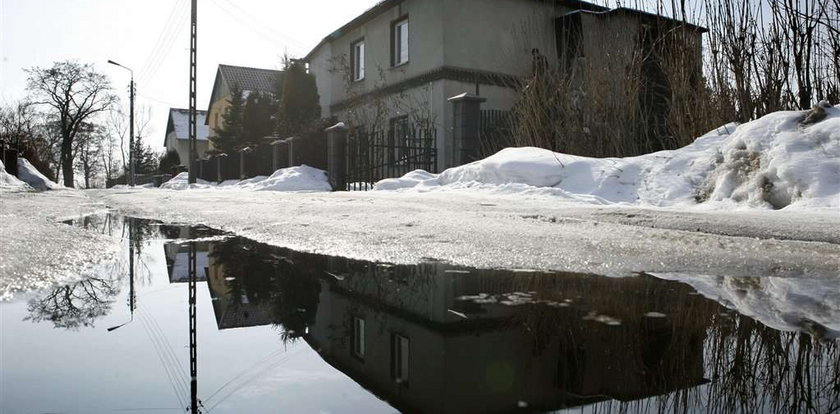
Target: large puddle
284	331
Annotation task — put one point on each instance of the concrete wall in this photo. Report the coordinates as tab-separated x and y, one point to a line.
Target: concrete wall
497	35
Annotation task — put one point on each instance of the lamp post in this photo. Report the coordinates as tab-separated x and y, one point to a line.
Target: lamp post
130	125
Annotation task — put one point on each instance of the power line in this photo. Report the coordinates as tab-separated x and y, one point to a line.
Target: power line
163	45
248	24
265	26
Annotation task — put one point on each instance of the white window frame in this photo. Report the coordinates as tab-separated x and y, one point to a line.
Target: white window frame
400	347
357	61
399	42
358	346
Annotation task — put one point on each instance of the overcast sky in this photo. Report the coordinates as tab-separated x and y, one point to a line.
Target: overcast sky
152	38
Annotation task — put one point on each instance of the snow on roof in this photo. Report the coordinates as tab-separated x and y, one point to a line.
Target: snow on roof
179	120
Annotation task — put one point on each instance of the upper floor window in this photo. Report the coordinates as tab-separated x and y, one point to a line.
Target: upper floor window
399	42
357	59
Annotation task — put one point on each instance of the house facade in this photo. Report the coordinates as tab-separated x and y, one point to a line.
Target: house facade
248	79
178	137
401	60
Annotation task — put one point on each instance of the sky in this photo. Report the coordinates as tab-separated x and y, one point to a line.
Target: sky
152	38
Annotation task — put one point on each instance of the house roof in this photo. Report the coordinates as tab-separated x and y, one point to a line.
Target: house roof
250	79
643	15
387	4
179	120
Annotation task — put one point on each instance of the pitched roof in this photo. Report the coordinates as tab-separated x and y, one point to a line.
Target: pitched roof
179	120
250	79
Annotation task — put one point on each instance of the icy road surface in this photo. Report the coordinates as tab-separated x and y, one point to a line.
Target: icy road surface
465	228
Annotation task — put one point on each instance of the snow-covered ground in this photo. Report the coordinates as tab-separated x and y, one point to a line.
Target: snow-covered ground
770	163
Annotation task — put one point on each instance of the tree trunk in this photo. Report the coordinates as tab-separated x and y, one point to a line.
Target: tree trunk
67	162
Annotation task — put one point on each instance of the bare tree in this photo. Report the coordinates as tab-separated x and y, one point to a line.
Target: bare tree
74	92
89	148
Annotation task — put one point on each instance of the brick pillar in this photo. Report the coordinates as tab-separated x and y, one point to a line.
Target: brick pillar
466	125
337	156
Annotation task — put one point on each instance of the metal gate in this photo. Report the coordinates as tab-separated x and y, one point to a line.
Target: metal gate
376	154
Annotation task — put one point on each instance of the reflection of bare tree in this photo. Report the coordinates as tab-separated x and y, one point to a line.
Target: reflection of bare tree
75	305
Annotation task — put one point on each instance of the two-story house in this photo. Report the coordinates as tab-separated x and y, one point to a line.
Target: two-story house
401	60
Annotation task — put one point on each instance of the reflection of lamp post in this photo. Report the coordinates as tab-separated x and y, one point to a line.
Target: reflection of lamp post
131	124
132	304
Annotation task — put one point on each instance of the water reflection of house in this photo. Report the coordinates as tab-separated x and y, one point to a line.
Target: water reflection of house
178	261
232	307
407	336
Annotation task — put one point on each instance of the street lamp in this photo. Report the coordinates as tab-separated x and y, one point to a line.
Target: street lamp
130	126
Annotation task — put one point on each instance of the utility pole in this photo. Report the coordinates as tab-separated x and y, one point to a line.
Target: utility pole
193	44
131	132
193	339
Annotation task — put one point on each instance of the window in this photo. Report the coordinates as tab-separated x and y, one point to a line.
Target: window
358	337
399	359
399	42
357	59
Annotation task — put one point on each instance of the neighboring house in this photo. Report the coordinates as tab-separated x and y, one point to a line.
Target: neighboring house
178	133
402	59
248	79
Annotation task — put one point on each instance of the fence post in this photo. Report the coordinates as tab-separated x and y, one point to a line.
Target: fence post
466	124
337	156
291	143
275	154
242	153
219	167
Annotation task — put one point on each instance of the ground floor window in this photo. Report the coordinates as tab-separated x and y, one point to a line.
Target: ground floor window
399	359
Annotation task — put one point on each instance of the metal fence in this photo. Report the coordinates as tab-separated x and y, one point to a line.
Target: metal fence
373	155
495	131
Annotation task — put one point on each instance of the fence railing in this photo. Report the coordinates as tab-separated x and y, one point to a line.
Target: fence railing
376	154
495	131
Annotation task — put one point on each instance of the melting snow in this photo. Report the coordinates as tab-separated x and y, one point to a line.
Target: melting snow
301	178
771	163
30	175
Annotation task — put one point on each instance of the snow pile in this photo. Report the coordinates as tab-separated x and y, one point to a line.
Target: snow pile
30	175
181	182
773	162
786	304
9	182
301	178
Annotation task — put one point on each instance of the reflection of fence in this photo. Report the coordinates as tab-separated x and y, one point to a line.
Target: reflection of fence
373	155
495	131
9	154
